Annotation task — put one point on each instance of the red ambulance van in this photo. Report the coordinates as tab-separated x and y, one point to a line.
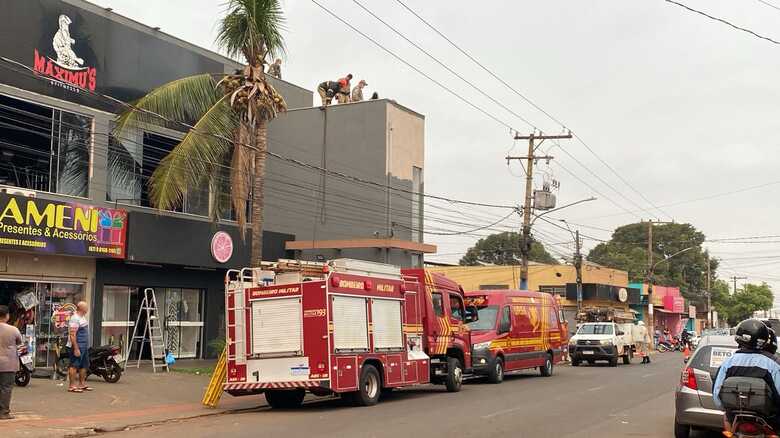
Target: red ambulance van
516	330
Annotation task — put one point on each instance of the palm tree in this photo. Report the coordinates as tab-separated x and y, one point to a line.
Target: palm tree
230	115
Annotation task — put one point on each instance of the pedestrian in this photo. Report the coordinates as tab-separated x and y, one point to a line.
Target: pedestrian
10	339
275	69
78	342
642	339
357	92
375	96
327	91
344	88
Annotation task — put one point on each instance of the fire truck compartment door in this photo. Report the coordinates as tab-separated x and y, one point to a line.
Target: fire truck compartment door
277	326
386	320
350	323
279	369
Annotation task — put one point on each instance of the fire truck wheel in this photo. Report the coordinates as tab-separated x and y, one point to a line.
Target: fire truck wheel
454	374
284	399
496	374
546	370
370	387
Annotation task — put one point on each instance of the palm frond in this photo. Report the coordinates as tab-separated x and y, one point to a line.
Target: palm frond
184	100
252	28
196	158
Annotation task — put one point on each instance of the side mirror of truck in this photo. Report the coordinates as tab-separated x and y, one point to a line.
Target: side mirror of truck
472	314
619	333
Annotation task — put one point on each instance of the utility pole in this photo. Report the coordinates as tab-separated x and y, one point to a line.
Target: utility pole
649	277
578	268
709	294
734	279
530	158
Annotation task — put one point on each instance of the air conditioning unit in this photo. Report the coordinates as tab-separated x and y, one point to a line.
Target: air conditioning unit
15	191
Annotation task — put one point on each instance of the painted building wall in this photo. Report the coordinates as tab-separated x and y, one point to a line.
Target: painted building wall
472	277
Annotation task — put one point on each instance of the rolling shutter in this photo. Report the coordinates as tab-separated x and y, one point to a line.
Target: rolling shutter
350	323
386	320
277	326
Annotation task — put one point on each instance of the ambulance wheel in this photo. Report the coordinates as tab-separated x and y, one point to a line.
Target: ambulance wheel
496	374
454	379
285	399
546	370
369	387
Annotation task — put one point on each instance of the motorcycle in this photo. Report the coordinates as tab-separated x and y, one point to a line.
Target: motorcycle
674	344
24	374
749	425
103	362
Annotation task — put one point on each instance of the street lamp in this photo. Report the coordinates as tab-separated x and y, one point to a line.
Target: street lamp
650	279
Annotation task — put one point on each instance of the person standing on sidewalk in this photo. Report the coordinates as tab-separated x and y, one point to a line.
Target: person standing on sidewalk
641	338
78	341
10	339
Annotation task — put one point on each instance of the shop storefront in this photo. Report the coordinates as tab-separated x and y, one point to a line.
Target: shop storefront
668	315
48	250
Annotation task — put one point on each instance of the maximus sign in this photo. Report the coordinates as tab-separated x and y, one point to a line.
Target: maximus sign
67	67
61	228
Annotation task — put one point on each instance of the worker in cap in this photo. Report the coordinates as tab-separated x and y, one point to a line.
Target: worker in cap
357	92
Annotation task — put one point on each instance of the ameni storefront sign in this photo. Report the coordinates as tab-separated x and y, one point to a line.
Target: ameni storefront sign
61	227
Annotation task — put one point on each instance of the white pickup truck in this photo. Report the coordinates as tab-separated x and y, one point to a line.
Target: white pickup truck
602	341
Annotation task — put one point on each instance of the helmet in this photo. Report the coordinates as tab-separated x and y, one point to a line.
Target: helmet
752	334
771	346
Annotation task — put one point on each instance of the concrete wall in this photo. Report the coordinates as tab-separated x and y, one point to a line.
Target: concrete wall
352	139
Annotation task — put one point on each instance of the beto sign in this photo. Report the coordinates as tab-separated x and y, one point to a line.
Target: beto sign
67	67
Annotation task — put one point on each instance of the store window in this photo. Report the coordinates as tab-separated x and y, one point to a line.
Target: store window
43	148
40	310
132	160
183	321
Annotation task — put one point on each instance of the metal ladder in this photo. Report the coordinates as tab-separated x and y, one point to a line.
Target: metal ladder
152	330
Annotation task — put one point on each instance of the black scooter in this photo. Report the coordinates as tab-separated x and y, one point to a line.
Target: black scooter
101	363
24	374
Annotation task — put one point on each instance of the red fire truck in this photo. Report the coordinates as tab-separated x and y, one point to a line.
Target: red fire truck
348	327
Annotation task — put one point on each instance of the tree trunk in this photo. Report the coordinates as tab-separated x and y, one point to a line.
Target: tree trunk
258	187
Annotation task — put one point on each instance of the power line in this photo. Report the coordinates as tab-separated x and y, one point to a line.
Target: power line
769	4
728	23
529	101
391	53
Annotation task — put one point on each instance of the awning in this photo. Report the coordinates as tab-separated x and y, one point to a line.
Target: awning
662	310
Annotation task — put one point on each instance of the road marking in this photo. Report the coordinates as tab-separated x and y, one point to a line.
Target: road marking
505	411
596	388
648	375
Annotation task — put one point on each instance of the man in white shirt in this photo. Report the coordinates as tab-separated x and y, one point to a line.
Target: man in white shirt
10	339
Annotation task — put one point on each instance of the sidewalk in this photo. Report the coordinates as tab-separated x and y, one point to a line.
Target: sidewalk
46	409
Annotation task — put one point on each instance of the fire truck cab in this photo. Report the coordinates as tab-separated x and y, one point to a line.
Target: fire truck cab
348	327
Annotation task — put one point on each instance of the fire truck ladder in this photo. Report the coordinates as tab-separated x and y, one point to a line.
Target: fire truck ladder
152	331
236	291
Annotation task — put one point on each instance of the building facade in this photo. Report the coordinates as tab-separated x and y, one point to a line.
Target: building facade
76	222
601	286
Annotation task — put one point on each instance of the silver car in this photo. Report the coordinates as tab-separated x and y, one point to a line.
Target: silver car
694	407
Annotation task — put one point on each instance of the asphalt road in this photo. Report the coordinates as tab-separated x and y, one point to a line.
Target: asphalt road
585	401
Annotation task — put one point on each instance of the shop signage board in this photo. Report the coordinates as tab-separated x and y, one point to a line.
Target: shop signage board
57	227
66	66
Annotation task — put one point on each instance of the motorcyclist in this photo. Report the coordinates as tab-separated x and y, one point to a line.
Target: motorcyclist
685	338
750	360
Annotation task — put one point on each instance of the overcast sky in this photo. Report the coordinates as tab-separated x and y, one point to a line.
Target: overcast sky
682	107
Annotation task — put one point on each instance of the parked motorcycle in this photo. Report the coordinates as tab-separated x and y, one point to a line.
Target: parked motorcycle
24	374
103	362
674	344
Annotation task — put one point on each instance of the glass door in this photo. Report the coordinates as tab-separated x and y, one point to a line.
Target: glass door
117	319
57	302
183	310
